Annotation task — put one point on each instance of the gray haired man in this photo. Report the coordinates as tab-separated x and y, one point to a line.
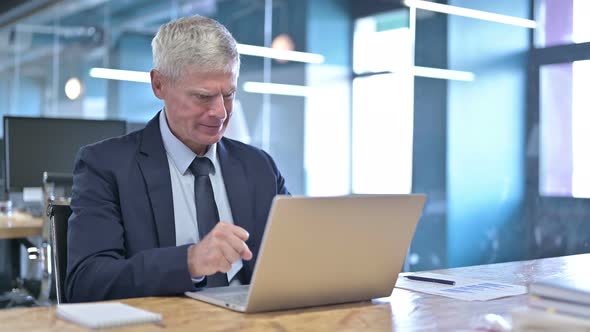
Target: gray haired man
175	206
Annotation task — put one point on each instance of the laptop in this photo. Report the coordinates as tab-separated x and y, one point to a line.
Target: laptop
325	250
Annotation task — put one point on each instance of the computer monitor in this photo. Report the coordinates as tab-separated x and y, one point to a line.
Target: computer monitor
37	145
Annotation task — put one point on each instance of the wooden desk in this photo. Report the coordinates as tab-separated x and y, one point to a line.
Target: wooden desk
20	225
404	310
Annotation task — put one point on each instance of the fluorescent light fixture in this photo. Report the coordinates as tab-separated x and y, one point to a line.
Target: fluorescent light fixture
277	89
280	89
445	74
278	54
472	13
120	75
305	91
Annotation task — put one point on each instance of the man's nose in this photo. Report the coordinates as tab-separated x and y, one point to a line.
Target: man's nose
218	107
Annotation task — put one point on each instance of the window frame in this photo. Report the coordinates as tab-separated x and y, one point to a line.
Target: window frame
538	57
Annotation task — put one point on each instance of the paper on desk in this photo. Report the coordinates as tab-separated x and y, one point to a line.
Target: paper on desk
464	289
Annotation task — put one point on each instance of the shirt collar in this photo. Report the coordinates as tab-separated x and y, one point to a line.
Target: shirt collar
182	156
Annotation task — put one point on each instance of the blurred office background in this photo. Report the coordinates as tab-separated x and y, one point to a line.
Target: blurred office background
484	110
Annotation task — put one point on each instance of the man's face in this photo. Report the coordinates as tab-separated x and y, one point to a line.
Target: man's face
198	105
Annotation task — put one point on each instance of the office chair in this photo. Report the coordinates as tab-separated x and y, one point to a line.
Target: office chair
57	188
59	213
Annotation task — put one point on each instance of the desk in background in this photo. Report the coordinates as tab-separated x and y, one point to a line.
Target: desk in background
20	225
404	310
16	228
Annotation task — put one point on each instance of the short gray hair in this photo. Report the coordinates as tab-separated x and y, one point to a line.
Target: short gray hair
194	41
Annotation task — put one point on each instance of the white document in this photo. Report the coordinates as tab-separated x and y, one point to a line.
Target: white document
464	289
104	315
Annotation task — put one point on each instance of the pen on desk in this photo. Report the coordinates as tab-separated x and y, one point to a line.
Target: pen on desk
439	281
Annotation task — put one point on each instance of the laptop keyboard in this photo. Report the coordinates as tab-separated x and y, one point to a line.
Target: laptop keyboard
236	298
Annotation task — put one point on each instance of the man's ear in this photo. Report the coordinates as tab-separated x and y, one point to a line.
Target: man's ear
158	85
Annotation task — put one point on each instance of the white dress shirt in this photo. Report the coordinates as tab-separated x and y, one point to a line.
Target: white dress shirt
183	194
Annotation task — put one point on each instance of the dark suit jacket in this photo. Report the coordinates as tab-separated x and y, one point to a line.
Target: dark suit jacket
121	235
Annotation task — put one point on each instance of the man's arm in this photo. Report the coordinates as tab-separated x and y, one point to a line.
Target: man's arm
280	180
98	266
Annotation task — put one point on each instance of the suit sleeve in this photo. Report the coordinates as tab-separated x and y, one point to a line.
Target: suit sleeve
280	180
98	267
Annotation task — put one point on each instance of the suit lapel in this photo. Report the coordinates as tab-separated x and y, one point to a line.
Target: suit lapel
156	174
153	163
236	186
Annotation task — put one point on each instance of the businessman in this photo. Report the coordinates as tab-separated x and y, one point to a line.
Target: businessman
175	206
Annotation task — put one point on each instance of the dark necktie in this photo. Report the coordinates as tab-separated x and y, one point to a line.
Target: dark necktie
207	216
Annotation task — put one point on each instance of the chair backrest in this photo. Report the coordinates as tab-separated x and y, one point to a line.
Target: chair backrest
57	187
59	213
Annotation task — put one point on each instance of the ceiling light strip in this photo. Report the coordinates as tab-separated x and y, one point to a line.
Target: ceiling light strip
120	75
472	13
278	54
277	89
445	74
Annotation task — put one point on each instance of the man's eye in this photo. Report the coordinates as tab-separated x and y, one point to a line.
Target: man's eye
202	97
229	95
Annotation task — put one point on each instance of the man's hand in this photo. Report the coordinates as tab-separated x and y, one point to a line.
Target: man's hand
224	245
